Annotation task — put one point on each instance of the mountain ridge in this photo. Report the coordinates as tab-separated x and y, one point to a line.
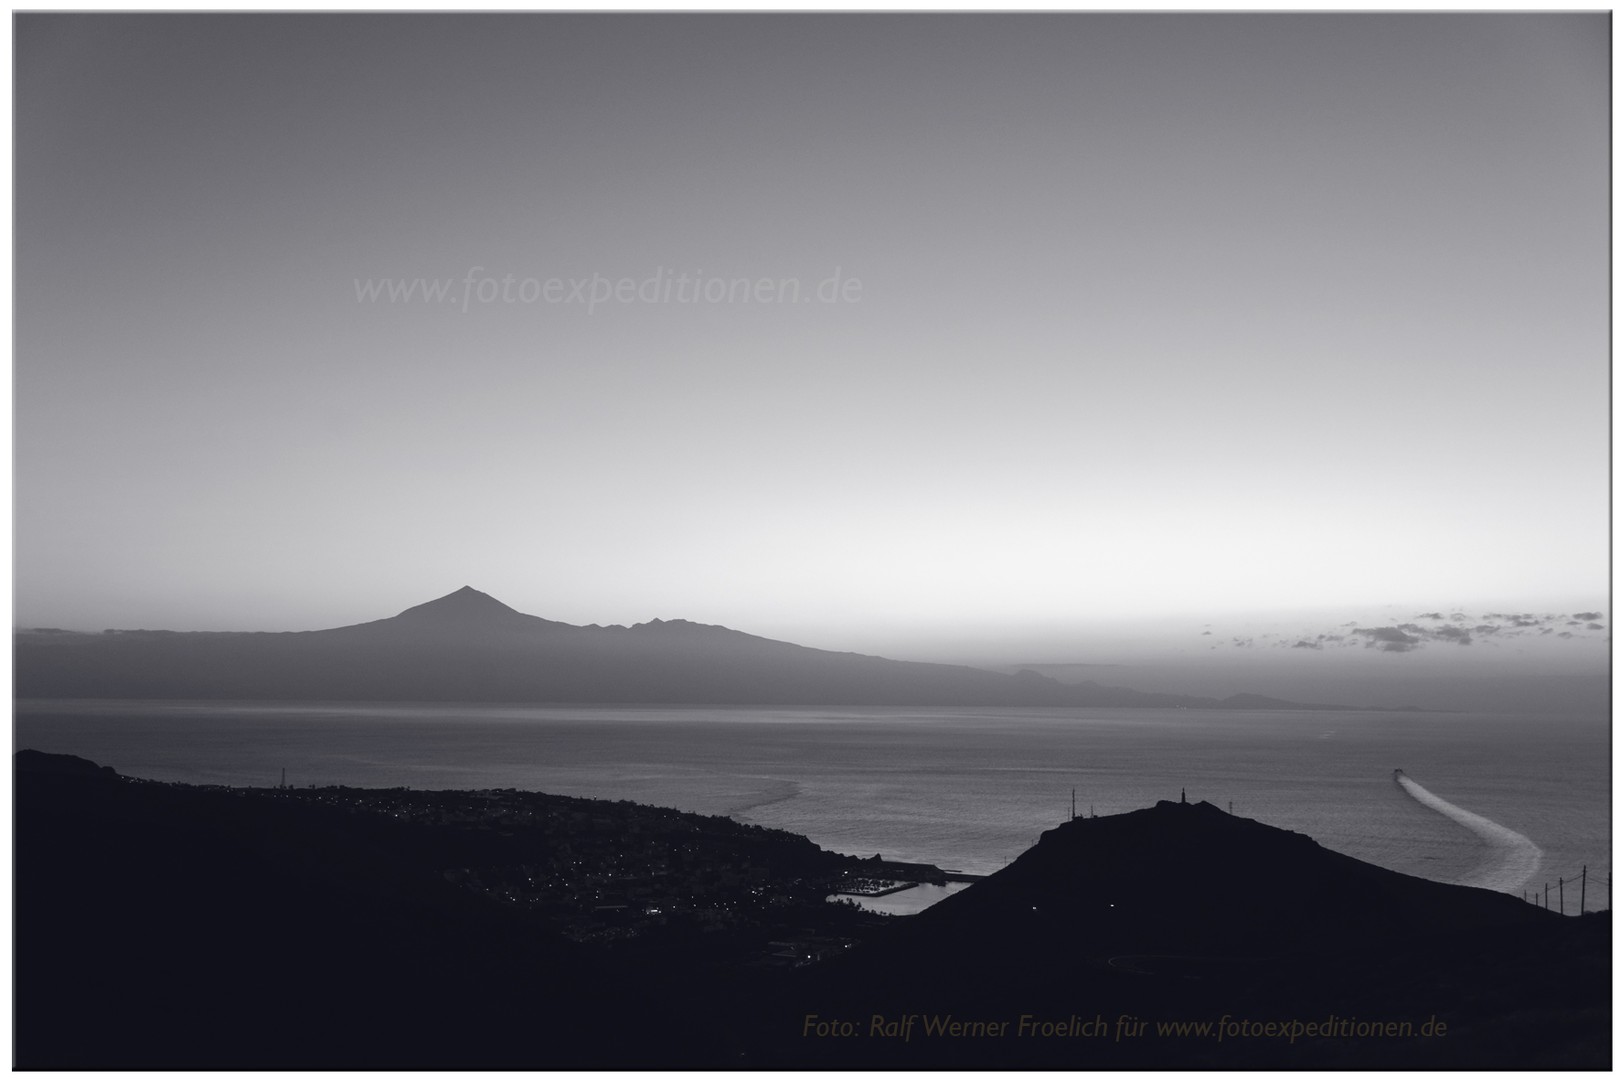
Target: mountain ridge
469	646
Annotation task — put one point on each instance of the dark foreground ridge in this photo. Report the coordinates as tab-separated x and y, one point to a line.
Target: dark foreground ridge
169	926
468	646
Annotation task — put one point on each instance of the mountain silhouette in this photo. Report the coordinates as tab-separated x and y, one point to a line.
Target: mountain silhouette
1185	911
468	646
464	606
463	613
1124	883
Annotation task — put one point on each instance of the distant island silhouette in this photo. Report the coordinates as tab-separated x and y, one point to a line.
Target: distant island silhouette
468	646
176	927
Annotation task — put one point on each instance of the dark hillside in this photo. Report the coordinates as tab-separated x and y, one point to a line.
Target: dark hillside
1185	913
167	926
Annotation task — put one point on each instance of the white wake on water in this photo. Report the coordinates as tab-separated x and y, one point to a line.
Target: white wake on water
1517	856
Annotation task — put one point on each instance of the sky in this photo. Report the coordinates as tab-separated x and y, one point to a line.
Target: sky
1031	328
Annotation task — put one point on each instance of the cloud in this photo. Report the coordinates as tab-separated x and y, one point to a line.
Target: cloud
1388	639
1493	629
1565	634
1512	619
1589	616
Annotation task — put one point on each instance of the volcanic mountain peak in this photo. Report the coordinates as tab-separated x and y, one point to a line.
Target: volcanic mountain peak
464	605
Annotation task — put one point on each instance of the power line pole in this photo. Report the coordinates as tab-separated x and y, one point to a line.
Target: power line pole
1071	803
1583	890
1560	896
1545	888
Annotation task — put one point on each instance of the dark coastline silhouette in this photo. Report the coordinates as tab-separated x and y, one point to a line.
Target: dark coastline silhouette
468	646
167	926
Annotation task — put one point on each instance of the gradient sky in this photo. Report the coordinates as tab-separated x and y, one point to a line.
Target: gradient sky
1162	320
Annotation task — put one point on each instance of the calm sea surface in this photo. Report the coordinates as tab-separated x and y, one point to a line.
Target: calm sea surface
961	788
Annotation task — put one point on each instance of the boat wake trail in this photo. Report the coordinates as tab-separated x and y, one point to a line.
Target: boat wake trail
1517	856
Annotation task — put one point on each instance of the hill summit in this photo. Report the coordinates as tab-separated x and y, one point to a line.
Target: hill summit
1185	937
1191	878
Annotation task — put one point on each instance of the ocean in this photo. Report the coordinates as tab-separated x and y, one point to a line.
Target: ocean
1497	801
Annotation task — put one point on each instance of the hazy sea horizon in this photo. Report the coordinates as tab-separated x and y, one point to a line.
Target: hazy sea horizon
1500	801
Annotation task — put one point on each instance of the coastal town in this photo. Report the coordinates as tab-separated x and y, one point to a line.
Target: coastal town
622	875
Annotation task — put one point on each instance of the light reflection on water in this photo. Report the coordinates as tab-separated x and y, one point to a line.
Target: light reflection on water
906	901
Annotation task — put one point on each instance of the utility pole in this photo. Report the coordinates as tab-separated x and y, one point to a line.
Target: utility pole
1583	890
1560	896
1544	891
1071	803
